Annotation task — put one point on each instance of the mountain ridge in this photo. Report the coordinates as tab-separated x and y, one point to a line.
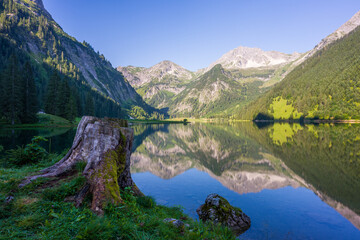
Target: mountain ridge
30	26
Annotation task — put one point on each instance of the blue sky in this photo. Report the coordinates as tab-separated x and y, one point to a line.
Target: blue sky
195	33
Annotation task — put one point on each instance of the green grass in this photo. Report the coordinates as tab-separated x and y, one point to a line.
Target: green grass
40	212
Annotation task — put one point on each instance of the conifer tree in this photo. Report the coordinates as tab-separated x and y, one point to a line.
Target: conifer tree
11	98
62	99
89	105
71	109
29	103
50	103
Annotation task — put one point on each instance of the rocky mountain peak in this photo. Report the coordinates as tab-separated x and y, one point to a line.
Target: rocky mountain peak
140	76
167	67
247	57
342	31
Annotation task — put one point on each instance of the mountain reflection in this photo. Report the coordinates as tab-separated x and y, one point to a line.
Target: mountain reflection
246	159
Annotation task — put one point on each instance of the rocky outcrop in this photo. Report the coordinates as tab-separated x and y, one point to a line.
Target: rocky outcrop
219	211
105	146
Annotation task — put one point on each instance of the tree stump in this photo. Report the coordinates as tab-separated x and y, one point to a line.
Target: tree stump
105	145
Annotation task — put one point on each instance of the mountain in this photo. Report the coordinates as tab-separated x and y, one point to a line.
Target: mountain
214	93
324	86
217	91
28	28
159	83
342	31
246	57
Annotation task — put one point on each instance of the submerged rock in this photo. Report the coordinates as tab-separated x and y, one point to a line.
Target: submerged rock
219	211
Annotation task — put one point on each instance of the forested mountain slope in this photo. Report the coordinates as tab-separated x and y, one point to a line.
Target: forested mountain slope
214	94
325	86
28	32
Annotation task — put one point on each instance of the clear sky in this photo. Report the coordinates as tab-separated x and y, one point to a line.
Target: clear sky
195	33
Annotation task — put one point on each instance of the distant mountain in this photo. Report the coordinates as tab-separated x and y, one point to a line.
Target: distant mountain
159	83
29	27
325	85
218	91
246	57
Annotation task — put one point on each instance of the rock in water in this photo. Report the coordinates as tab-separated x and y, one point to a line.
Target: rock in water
105	146
219	211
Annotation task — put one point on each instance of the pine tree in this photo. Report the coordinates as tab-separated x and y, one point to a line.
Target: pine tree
11	98
50	103
89	105
29	103
71	109
62	99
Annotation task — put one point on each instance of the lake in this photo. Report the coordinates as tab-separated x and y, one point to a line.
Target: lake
293	181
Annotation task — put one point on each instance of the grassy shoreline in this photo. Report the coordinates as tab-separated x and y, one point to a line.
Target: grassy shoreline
51	121
40	211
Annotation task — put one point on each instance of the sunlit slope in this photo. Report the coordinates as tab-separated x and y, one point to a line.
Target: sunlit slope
325	86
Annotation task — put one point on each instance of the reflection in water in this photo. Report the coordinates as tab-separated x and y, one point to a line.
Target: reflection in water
58	138
246	159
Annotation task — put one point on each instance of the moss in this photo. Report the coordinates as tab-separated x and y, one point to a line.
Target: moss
222	211
113	165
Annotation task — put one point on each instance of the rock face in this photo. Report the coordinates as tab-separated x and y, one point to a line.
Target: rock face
105	145
218	210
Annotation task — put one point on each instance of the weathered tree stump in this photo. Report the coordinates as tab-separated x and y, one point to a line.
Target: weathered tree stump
105	145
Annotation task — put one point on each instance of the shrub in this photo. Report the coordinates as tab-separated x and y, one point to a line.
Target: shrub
32	153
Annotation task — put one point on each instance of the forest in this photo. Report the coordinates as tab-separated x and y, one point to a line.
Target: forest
37	75
325	86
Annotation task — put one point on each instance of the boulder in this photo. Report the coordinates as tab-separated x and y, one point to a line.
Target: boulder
219	211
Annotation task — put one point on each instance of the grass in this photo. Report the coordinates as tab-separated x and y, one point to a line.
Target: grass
38	211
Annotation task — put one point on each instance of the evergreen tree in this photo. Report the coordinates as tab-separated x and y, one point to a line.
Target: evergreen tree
29	103
62	99
71	109
11	98
50	103
89	105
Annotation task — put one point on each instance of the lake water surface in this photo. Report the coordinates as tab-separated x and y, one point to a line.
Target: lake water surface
295	182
